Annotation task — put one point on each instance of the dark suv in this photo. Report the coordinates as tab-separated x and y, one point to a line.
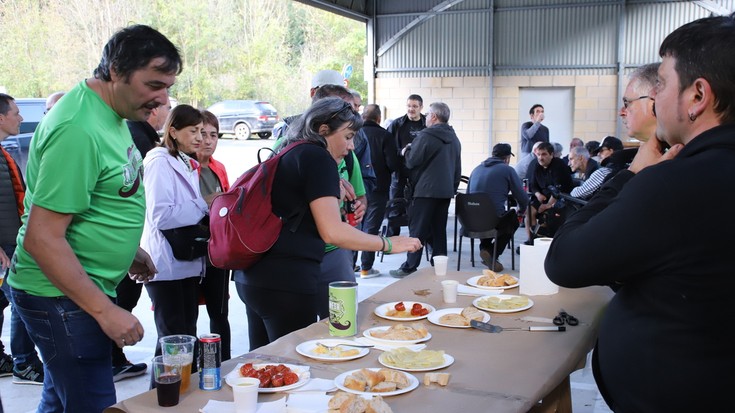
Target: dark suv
32	110
244	117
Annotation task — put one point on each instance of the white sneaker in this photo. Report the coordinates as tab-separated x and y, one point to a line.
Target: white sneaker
371	273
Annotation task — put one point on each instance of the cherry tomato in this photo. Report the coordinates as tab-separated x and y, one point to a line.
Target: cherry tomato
281	367
400	306
416	305
290	378
424	311
277	380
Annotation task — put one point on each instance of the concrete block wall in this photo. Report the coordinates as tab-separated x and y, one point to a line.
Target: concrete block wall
595	111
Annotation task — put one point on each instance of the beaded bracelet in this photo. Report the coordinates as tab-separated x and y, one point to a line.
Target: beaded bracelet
390	246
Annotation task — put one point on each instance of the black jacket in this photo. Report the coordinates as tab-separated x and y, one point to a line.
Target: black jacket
663	343
144	136
434	162
383	153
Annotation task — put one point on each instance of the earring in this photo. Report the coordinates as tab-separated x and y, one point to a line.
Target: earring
692	117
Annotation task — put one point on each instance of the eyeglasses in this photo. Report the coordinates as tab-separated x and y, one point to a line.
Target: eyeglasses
346	106
626	102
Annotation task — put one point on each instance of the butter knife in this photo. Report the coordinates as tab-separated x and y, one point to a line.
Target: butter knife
491	328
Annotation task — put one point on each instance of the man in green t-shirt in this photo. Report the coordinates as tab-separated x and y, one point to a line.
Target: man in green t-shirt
85	208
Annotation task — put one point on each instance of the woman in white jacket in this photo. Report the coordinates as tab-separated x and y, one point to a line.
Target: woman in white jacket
173	200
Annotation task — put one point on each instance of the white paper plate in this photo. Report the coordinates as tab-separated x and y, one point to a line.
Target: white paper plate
368	333
436	315
502	297
382	310
301	371
307	349
413	382
448	361
473	282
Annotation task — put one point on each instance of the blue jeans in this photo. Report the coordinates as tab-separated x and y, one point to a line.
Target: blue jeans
21	346
75	350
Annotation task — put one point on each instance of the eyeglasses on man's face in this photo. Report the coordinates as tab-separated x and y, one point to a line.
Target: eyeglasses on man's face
627	102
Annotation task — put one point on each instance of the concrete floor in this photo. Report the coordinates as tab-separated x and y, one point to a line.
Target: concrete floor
24	398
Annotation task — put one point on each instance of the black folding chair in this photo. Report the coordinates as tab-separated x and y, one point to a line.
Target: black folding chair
478	219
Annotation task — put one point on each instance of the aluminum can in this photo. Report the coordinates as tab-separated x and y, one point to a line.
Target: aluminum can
210	360
343	308
350	213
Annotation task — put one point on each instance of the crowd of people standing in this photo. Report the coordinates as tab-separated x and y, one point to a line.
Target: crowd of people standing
110	220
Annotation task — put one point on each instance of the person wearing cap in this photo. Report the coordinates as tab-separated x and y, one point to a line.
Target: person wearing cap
610	152
496	178
404	130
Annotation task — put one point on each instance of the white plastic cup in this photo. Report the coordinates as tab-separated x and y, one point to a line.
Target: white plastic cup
440	265
449	289
245	393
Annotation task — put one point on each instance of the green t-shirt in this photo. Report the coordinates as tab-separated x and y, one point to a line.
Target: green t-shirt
82	161
356	182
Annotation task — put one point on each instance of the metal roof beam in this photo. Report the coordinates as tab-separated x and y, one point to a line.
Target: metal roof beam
713	7
417	22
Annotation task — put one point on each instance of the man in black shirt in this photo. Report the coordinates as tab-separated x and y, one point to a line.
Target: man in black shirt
404	131
547	172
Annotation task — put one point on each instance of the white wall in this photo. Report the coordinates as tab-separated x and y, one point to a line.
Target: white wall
558	103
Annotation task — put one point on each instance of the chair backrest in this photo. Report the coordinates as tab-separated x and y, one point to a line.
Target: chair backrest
476	212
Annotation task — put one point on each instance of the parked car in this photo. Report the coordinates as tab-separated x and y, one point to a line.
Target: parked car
32	110
245	117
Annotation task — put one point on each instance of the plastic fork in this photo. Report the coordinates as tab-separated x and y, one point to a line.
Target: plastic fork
344	345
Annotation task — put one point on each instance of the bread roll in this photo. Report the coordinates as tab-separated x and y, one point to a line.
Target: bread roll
356	405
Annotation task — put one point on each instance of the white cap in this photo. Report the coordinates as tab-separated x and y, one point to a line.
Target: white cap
327	77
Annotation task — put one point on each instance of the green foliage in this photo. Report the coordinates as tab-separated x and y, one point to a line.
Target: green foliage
232	49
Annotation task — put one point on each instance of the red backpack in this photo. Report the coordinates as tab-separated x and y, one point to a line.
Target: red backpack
242	225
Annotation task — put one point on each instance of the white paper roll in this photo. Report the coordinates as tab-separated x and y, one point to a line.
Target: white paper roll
534	280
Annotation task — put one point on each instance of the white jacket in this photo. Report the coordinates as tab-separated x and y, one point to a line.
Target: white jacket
172	200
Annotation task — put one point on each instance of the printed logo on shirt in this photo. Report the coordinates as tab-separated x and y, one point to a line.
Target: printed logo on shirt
131	173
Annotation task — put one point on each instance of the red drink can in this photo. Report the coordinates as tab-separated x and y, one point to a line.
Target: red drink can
350	212
210	360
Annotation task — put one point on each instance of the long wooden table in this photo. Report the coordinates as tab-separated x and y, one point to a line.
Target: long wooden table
511	371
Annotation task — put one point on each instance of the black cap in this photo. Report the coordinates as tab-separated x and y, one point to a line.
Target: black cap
502	150
610	142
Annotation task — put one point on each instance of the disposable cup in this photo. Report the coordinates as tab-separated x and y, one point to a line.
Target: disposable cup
179	349
449	290
168	378
440	264
245	393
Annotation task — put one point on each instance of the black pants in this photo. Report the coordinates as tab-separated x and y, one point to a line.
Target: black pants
128	294
371	224
273	313
175	308
397	190
507	227
427	221
215	288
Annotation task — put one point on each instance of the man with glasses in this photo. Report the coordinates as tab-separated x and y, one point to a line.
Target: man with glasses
661	345
637	110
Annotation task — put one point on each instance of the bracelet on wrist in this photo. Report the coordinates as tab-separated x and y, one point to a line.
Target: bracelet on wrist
390	246
382	239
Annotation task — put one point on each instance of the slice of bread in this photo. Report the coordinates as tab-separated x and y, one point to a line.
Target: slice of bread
395	376
378	405
339	398
453	319
356	405
353	382
441	379
372	378
384	387
473	314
